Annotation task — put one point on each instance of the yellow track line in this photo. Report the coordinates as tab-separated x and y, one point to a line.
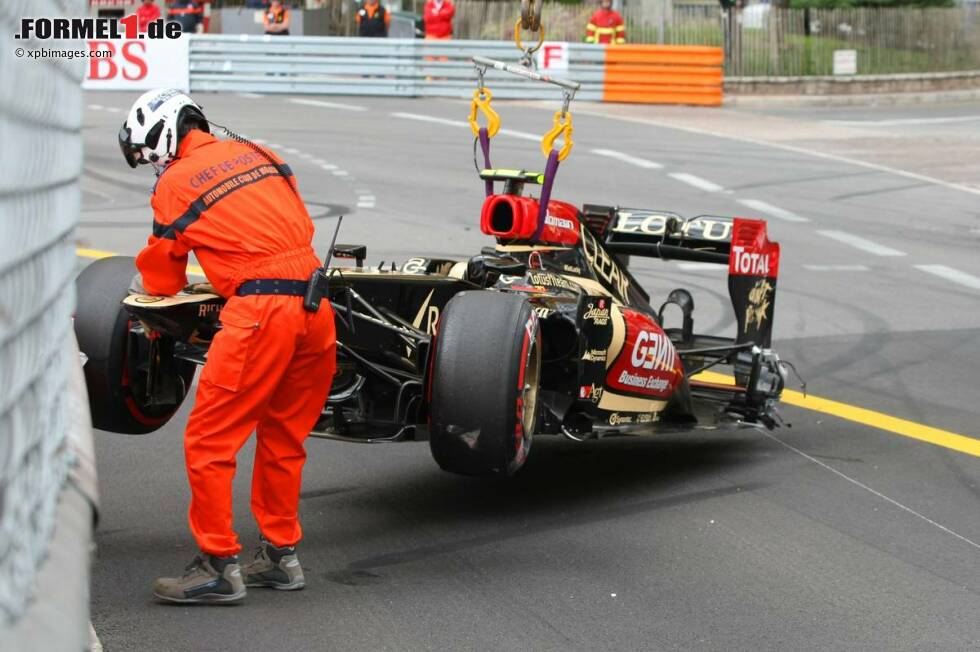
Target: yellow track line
193	270
879	420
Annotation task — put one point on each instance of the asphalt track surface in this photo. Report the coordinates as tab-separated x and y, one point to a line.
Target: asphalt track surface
825	535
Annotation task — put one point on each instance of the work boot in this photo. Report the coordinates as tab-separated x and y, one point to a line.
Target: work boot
208	579
276	568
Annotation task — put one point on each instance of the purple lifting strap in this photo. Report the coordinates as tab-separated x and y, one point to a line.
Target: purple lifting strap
549	178
485	146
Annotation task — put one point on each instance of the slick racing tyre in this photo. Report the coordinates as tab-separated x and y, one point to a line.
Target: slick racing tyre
116	369
485	384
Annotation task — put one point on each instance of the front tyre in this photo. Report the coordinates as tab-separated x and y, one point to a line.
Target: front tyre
485	384
116	372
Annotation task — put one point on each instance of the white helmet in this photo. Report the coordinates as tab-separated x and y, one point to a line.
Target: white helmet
152	128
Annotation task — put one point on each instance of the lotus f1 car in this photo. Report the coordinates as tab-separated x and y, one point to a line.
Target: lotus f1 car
546	332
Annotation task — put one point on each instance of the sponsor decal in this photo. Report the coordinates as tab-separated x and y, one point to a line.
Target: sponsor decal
559	222
572	269
643	382
415	266
652	350
145	299
590	392
427	314
655	224
206	309
603	266
645	366
594	355
751	263
543	312
597	313
552	280
759	296
617	419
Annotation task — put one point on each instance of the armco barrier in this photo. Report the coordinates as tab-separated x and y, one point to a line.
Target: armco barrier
419	68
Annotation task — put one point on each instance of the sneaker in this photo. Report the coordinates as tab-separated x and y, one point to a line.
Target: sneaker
276	568
208	579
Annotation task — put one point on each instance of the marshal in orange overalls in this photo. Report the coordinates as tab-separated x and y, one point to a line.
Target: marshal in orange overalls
269	368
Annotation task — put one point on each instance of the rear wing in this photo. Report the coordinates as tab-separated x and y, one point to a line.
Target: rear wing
661	234
741	244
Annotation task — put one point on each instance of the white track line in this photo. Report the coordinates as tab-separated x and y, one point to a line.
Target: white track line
901	121
697	182
701	267
626	158
328	166
786	148
328	105
954	275
520	134
860	243
880	495
523	135
95	107
251	96
772	211
340	173
430	118
837	268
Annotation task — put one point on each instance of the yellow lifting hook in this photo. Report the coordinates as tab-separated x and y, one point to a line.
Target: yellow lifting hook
481	101
562	126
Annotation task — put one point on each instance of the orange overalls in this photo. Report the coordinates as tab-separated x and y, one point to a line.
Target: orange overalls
270	366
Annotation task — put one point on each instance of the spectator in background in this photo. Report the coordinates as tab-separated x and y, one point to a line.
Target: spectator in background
276	19
373	19
605	25
438	18
187	13
146	14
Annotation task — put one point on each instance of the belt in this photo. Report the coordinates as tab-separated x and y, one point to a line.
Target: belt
280	286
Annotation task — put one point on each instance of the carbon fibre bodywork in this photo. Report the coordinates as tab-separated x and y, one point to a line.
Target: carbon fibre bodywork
608	366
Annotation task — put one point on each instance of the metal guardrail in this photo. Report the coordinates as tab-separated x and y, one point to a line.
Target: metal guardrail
373	66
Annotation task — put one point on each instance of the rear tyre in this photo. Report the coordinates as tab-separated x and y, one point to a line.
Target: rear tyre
116	369
485	384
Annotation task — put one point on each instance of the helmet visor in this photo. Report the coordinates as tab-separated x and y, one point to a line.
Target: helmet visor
130	151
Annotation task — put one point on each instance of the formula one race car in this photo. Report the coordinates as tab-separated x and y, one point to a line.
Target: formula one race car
544	333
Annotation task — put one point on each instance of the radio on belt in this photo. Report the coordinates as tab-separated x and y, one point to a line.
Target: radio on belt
319	285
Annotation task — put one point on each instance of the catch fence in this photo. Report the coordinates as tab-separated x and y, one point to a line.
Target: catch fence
765	40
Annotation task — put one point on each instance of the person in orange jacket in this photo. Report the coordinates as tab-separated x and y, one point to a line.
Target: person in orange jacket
269	368
438	18
605	25
275	19
146	14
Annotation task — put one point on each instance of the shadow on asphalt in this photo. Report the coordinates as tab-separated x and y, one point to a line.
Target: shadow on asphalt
564	485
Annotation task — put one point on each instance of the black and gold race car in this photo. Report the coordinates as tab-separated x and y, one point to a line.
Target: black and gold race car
545	332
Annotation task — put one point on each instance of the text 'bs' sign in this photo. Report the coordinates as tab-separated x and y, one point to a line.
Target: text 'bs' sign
138	65
552	57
